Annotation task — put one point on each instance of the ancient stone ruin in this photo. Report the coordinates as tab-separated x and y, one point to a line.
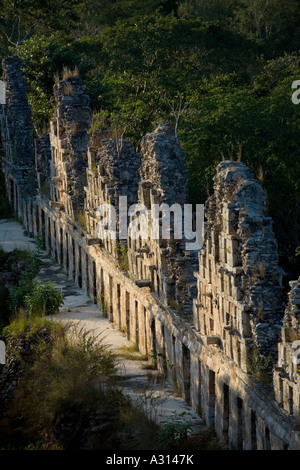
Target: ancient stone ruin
213	318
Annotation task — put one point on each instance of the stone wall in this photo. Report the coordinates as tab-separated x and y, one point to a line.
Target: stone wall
113	172
239	304
69	142
215	354
163	263
286	372
17	137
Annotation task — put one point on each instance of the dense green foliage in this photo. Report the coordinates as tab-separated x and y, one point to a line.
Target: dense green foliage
219	70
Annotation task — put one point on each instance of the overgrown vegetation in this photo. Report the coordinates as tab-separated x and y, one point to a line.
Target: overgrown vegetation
68	397
18	289
26	284
258	366
44	299
174	431
81	219
219	70
122	254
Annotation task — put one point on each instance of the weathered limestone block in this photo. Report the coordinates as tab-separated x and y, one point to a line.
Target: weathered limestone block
240	269
17	134
286	376
113	172
42	163
69	142
164	181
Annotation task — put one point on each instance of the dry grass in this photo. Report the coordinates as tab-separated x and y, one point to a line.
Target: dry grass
56	78
68	89
68	73
131	352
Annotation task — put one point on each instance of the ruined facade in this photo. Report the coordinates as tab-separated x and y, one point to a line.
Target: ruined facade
113	172
163	263
286	372
239	303
214	319
69	141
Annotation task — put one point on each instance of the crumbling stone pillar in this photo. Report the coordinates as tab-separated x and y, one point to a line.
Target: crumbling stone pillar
287	370
42	164
17	134
69	142
239	305
163	265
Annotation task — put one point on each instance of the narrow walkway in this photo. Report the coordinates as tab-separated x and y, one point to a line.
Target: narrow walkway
142	385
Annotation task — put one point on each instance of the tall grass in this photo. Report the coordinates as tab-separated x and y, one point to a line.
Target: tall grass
71	368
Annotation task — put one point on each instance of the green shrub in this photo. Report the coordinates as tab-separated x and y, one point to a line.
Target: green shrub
44	299
40	241
18	294
122	254
174	432
70	370
5	210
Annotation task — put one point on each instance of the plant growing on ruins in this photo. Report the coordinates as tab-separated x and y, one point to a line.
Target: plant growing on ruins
81	219
257	366
45	299
104	305
68	90
122	254
40	240
177	108
32	263
123	329
152	361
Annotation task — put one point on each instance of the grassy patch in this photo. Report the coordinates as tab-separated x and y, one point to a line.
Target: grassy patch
131	352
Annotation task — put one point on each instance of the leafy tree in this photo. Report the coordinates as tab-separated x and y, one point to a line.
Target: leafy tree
208	10
219	70
274	23
256	123
153	60
43	58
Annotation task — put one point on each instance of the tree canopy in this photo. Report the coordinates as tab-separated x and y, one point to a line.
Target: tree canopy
220	71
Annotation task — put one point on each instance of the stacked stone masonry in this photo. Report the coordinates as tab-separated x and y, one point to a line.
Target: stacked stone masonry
214	319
